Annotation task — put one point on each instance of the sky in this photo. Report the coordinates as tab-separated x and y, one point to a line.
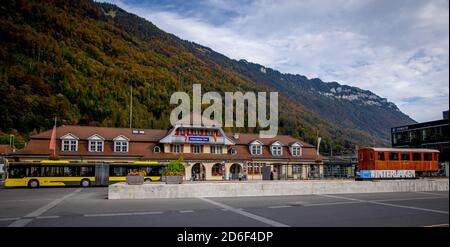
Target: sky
398	49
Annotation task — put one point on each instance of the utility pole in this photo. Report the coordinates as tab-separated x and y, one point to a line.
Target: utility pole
131	103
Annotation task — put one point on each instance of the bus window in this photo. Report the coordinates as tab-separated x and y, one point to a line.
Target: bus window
117	171
427	156
16	171
417	156
87	171
393	156
33	171
405	156
381	156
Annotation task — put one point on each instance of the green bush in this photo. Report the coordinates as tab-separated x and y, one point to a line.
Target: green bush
175	168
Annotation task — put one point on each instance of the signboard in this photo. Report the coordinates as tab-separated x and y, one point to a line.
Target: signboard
201	139
393	130
387	173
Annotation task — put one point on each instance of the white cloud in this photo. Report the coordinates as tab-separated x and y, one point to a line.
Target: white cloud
397	49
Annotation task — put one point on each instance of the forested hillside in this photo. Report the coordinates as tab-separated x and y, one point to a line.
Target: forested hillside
77	60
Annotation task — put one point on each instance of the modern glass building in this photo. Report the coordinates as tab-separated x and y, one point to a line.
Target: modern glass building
432	135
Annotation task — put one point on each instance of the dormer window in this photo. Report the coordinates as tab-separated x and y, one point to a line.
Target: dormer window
156	149
121	144
296	149
96	143
69	143
276	149
256	148
233	151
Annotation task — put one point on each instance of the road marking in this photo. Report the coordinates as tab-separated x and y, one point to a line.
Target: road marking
327	204
409	199
8	219
387	204
281	206
186	211
30	200
123	214
244	213
20	223
41	210
437	225
48	217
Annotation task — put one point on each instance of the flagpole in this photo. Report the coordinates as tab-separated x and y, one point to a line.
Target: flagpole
54	149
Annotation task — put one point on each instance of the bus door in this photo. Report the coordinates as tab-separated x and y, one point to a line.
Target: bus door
102	174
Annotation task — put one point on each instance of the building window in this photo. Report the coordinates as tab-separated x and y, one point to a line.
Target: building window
120	146
196	149
253	168
256	149
95	146
276	150
156	149
181	131
69	145
380	156
233	151
196	132
217	170
216	149
296	151
176	148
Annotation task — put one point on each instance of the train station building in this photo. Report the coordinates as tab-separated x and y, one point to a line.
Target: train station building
209	153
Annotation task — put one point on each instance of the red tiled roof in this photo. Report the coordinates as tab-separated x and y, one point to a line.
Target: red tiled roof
141	146
109	133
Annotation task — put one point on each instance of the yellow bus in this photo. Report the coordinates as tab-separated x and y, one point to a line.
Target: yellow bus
64	173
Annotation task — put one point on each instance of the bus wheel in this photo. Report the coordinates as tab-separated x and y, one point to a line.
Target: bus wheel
85	183
147	180
33	183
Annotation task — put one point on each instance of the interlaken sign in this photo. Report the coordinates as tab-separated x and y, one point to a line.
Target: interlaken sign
199	139
388	174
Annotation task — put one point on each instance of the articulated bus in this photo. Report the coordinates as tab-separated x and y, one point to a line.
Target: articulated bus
85	174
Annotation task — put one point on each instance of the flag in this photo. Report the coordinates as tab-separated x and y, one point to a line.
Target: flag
53	139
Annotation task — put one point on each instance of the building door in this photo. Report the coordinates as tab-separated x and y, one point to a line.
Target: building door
198	172
235	169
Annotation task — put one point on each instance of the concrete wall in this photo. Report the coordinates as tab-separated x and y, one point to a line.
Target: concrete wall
270	188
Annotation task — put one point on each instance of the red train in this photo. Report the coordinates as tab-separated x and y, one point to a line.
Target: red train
423	161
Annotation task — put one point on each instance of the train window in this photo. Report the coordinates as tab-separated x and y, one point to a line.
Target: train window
360	156
427	156
371	155
381	156
417	156
405	156
393	156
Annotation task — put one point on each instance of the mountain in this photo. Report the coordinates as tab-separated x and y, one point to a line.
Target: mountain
77	59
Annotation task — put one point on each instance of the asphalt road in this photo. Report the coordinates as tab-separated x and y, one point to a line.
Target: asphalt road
57	207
